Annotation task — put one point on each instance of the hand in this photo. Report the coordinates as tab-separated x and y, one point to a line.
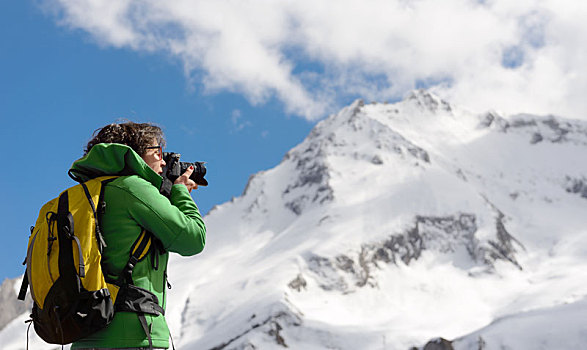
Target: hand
184	179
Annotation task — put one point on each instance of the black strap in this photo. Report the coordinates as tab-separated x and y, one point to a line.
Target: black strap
73	176
146	328
135	255
101	209
101	243
155	259
66	230
127	272
67	269
170	337
23	287
142	302
30	322
76	175
147	303
140	247
89	197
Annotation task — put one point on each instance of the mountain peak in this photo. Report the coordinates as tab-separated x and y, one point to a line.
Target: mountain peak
426	100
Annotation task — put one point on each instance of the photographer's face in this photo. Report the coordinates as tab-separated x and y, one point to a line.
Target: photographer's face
154	157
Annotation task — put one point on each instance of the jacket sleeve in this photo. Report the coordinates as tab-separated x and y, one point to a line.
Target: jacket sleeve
176	221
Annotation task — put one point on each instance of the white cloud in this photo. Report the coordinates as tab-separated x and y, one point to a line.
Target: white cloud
525	55
236	118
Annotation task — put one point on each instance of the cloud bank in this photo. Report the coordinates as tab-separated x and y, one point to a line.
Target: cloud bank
313	55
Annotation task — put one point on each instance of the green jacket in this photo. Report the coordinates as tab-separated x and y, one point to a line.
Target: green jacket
133	202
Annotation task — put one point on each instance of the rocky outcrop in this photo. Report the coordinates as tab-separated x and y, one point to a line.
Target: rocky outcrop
11	306
442	234
494	121
427	101
438	344
271	326
576	186
312	177
538	128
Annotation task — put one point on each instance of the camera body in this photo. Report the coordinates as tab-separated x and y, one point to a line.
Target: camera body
174	168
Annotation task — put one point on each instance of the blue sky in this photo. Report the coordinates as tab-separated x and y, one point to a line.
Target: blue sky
57	87
238	84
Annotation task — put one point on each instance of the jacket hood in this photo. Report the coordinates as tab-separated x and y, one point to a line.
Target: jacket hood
113	159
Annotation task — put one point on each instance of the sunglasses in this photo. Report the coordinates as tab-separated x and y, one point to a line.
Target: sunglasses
159	149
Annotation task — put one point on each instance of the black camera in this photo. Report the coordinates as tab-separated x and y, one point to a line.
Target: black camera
174	168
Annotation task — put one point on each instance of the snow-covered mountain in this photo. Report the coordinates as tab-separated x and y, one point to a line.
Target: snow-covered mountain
390	225
11	306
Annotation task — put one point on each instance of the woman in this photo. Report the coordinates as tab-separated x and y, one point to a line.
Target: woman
133	204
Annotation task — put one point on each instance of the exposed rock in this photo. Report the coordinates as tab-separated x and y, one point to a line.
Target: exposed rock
364	274
345	263
555	126
274	332
536	137
443	344
443	234
298	283
494	121
11	306
427	101
328	275
504	245
576	185
272	326
438	344
358	105
539	128
313	176
376	160
522	122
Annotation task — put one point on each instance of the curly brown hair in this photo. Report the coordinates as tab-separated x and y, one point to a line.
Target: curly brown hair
137	136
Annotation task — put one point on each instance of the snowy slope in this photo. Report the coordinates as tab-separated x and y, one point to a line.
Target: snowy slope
392	224
557	327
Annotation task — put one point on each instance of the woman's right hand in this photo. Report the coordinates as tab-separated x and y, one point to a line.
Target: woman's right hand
184	179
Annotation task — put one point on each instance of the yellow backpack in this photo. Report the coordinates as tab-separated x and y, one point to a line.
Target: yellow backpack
73	296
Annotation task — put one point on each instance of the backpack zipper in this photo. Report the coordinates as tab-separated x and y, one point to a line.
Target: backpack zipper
51	221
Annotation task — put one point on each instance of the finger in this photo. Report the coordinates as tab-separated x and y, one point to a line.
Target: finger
191	185
188	171
185	177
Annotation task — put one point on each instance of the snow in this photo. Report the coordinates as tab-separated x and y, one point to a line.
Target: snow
557	327
390	225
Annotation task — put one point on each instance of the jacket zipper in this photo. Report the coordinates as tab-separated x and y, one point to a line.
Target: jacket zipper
165	284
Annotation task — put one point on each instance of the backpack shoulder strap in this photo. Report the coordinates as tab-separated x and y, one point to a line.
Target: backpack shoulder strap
135	299
138	252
